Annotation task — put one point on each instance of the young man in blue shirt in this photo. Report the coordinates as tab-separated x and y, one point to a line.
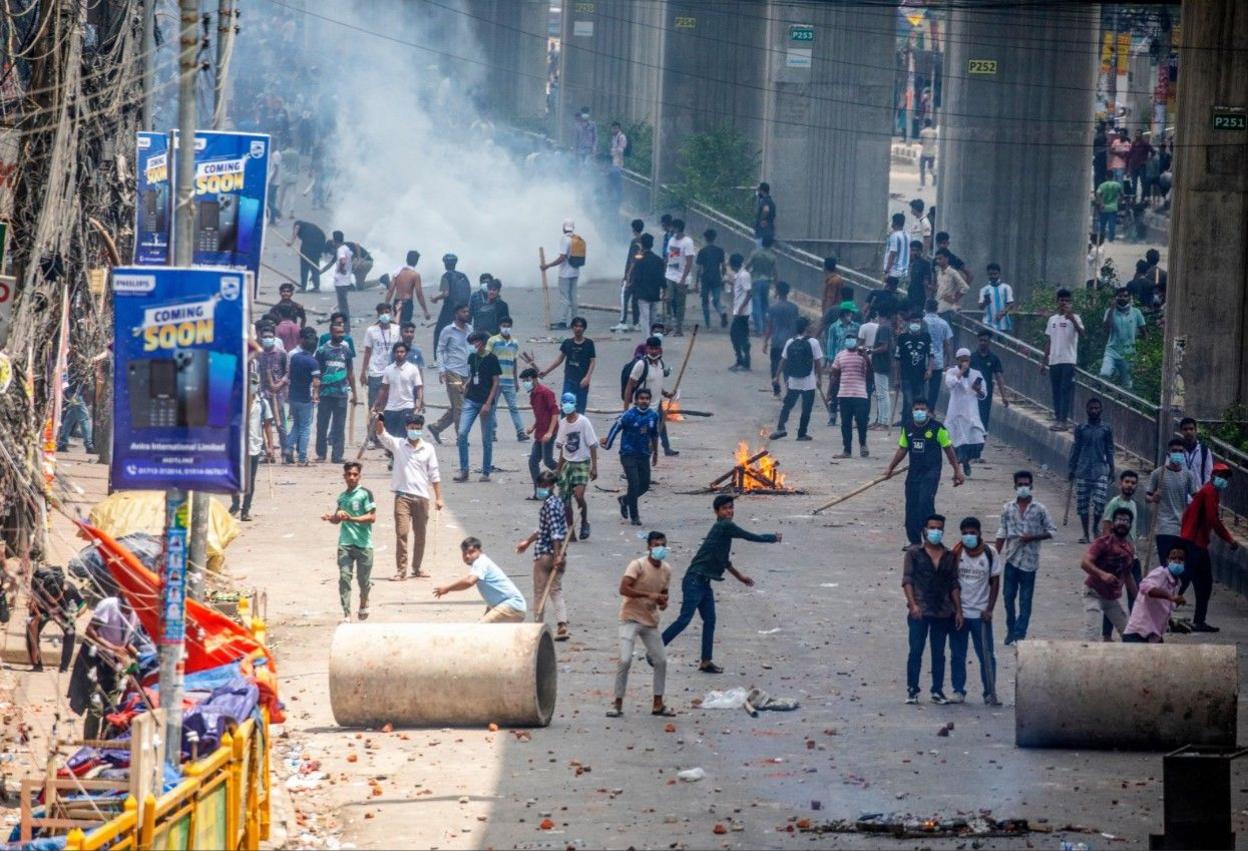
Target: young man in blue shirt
639	450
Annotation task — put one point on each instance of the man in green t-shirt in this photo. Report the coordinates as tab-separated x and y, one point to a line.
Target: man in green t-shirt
1107	195
355	515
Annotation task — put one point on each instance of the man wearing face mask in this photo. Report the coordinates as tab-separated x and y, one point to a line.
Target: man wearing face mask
402	392
414	480
1156	601
1091	467
924	439
979	582
578	460
1108	566
274	369
545	423
487	307
644	588
929	580
480	392
379	339
1170	488
505	348
648	370
1201	520
639	450
1024	524
549	556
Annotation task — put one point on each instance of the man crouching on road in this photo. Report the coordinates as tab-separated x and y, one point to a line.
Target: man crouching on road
503	600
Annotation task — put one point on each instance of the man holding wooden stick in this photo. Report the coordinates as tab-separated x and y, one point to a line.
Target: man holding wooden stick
549	559
923	438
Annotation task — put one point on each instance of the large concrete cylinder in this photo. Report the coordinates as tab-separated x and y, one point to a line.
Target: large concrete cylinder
412	675
1155	697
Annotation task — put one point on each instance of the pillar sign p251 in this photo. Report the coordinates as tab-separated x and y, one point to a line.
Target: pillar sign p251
987	67
1230	118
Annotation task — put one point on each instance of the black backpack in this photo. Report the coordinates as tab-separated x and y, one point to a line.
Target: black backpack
800	360
627	371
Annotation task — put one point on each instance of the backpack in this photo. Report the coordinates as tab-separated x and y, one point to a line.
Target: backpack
576	251
627	371
800	360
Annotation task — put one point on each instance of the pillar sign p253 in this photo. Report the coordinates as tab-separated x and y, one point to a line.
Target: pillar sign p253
987	67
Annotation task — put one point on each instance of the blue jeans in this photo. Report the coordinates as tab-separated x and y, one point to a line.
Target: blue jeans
979	632
758	304
1116	368
696	595
508	394
331	424
925	630
1020	584
581	393
710	297
1109	224
541	452
396	422
301	428
75	414
467	416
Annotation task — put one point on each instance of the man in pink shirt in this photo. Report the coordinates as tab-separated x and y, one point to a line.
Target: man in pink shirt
1158	597
852	369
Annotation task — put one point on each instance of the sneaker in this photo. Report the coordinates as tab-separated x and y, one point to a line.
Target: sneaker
461	476
864	452
436	435
623	508
584	531
619	326
522	437
736	367
671	452
966	469
958	697
776	435
832	420
992	700
636	521
912	698
802	438
246	518
1204	627
939	698
485	477
723	320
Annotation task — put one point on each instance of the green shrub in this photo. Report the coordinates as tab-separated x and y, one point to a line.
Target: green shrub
718	168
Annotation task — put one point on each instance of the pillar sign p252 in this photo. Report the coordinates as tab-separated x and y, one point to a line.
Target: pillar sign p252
987	67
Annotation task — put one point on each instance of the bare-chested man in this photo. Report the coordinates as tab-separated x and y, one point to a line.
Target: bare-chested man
404	284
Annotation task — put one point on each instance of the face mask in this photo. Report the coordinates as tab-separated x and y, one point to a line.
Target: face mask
527	385
851	344
1176	458
505	330
920	417
935	536
1023	491
568	407
542	493
657	335
970	541
658	553
1220	483
914	327
268	342
384	319
413	434
1176	568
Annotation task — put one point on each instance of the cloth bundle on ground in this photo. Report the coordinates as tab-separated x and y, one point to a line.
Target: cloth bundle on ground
144	511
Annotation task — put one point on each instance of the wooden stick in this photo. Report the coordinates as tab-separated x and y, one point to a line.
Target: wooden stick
858	490
554	569
748	461
541	256
351	422
758	477
1070	492
684	363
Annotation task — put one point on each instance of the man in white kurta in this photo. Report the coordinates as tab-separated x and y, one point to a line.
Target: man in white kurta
966	429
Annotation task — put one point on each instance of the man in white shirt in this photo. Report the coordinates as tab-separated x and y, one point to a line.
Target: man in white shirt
918	226
341	264
680	254
568	275
801	368
979	574
927	152
259	442
897	250
578	461
739	333
997	299
402	391
1061	353
615	176
379	339
414	479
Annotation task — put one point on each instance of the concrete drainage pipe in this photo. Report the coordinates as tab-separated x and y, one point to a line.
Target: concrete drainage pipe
413	675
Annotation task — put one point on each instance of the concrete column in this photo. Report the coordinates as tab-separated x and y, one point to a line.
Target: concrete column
513	35
828	126
1015	157
1207	297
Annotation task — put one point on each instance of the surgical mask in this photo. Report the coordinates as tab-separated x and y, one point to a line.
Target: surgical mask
914	327
659	553
413	434
568	407
1023	491
384	319
851	344
1176	568
268	342
935	536
1176	458
920	417
505	330
1220	482
542	493
527	385
970	541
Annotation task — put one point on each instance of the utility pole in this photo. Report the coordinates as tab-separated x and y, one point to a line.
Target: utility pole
225	26
657	141
173	585
149	63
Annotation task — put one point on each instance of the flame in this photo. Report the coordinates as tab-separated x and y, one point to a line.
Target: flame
671	412
765	466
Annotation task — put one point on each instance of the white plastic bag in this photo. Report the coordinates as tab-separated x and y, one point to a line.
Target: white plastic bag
733	698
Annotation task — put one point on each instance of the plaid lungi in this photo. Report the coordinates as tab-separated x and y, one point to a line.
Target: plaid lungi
573	473
1091	491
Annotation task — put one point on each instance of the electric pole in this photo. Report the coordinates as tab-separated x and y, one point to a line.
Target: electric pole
149	63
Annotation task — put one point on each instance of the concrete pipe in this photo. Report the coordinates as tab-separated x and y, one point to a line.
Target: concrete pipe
1156	697
413	674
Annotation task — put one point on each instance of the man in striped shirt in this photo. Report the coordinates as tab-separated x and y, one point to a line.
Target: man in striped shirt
997	299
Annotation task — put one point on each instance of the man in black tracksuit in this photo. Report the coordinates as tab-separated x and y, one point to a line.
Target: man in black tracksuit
923	438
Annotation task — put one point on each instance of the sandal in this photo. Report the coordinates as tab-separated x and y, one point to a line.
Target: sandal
710	668
664	711
615	713
422	574
399	577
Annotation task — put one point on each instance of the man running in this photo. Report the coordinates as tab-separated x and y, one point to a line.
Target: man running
578	461
454	289
480	393
639	450
713	558
1201	520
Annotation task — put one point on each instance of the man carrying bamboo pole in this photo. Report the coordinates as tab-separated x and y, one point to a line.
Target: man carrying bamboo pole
549	559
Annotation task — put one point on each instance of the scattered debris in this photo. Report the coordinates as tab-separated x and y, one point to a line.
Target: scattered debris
692	775
915	827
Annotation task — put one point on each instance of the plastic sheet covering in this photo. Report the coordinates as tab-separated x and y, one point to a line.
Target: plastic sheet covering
144	511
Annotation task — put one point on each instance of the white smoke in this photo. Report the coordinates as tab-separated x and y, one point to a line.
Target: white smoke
420	167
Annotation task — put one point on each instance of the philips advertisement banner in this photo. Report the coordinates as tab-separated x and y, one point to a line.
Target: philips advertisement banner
179	378
153	204
231	186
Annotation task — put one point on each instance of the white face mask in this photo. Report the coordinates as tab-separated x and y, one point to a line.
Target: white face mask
505	330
